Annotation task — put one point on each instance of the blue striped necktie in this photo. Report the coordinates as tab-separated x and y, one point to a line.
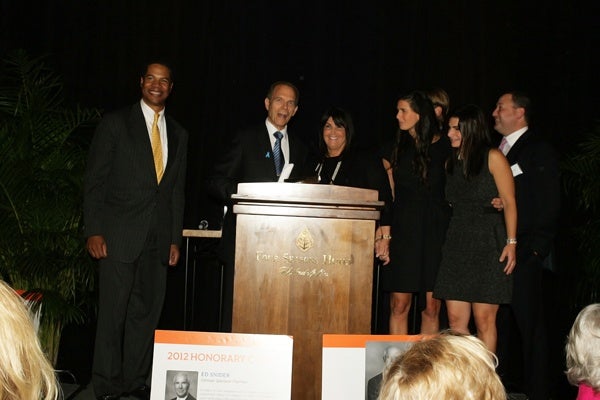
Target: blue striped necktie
277	154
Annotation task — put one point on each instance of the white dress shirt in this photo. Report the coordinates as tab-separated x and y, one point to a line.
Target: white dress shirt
285	143
162	128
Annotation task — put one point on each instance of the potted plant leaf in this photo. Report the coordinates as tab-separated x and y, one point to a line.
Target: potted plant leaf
580	174
43	150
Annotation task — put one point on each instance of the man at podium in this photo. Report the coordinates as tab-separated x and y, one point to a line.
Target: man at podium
263	153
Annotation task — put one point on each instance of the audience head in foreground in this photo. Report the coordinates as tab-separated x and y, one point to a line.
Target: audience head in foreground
25	372
583	352
448	366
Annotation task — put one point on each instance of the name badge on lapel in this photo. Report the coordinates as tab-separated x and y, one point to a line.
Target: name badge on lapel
516	170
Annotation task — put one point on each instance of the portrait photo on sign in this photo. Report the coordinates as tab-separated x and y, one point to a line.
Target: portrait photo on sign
181	385
377	356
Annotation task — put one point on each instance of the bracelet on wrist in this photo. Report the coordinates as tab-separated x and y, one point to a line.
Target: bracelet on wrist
387	237
511	241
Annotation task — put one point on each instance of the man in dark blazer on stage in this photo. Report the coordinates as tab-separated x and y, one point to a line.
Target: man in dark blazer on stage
181	384
534	165
251	157
133	213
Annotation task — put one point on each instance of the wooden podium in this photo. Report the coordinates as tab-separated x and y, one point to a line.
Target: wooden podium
304	267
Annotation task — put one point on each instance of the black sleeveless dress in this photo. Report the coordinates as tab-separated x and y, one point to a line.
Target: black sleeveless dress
470	270
420	219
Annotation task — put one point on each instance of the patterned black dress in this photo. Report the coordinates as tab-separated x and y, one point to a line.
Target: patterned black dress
470	270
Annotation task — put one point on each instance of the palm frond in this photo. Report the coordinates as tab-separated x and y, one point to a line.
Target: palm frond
579	172
41	178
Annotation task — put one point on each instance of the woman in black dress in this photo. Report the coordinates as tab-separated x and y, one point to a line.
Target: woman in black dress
479	253
341	164
415	164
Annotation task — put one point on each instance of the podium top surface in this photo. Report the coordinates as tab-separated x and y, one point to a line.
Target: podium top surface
276	192
202	233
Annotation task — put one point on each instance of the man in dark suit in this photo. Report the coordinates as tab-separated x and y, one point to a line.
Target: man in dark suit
390	354
181	383
250	157
534	165
133	212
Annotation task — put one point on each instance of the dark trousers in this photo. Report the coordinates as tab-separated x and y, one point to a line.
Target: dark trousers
525	316
131	297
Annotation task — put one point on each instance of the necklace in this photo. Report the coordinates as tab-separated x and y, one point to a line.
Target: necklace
335	172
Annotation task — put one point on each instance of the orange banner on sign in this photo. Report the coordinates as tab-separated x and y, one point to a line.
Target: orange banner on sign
215	338
361	340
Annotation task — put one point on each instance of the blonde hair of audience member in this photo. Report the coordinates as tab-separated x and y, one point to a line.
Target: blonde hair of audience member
25	372
449	366
583	348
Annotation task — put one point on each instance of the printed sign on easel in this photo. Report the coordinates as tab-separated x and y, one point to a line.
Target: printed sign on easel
224	366
352	364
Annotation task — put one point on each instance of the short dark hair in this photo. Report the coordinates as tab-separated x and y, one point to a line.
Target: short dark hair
284	83
144	67
522	100
341	118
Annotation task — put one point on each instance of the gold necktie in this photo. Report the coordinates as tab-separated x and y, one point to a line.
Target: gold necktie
157	149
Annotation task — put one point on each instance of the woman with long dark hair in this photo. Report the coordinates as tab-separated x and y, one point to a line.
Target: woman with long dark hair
479	253
415	164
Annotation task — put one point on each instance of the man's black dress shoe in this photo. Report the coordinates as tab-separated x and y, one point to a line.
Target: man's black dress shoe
109	397
142	393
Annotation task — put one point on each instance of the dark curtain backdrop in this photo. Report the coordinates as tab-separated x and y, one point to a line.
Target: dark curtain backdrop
356	54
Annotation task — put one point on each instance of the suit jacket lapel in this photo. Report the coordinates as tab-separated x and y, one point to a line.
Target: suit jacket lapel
139	129
264	144
515	150
293	149
173	144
